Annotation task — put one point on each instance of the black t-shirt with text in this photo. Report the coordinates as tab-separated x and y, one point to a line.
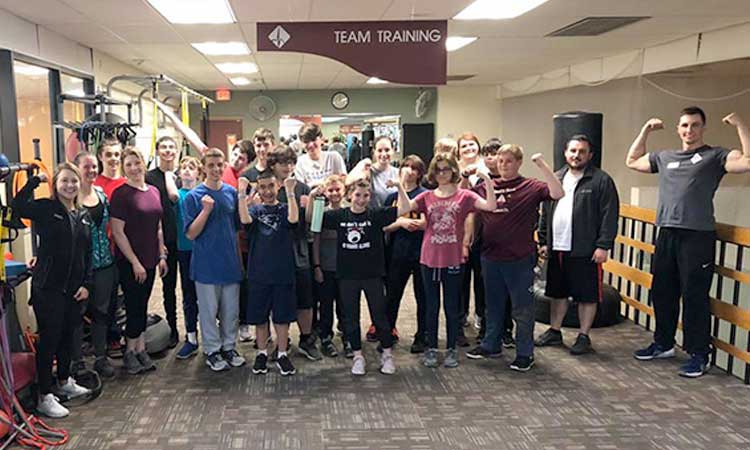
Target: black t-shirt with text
360	250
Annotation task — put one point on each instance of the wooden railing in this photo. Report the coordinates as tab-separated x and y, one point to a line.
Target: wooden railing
629	272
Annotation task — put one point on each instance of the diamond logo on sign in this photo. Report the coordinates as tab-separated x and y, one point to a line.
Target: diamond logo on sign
279	36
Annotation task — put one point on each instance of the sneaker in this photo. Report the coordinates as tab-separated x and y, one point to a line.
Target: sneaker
71	389
146	362
582	345
233	358
461	341
132	364
549	337
187	350
522	363
115	349
261	364
286	368
387	366
372	334
216	362
309	350
394	333
104	368
418	346
348	351
245	334
358	365
430	358
480	352
653	351
50	406
451	358
508	341
328	348
174	339
697	365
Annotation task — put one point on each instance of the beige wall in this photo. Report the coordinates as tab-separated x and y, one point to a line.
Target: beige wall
470	108
626	105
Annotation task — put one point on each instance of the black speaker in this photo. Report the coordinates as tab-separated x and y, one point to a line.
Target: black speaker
571	123
419	139
368	138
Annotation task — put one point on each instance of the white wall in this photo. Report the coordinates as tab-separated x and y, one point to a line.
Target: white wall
469	108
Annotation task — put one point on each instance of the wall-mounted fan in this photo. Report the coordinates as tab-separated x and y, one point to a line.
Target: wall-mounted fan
262	108
423	103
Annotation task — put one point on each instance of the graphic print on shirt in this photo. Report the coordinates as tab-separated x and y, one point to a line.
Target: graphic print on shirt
443	214
355	232
271	223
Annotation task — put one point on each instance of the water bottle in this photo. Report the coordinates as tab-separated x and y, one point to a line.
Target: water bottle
318	206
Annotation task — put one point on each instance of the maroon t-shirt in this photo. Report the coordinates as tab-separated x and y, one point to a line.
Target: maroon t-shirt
508	232
141	211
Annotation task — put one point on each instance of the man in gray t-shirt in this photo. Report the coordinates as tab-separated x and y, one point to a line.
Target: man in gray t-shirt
683	264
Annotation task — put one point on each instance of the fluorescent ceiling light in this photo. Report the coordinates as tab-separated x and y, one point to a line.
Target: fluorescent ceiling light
240	81
29	70
497	9
332	119
230	68
453	43
195	11
376	80
222	48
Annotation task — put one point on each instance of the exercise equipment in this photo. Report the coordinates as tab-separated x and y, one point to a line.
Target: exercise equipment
157	334
571	123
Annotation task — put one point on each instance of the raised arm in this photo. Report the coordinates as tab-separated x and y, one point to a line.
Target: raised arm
24	203
739	161
185	130
403	203
637	158
553	183
488	203
245	217
293	214
197	225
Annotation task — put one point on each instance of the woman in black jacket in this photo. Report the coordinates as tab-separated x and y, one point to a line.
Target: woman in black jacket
61	278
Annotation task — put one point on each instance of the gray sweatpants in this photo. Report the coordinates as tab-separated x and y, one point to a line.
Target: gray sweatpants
222	302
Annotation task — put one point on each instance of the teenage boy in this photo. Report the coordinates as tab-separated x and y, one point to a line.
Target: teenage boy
109	153
263	142
683	264
163	178
508	252
241	156
316	165
270	265
211	223
281	161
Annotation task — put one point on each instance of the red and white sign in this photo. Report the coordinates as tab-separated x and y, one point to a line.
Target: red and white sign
223	95
408	52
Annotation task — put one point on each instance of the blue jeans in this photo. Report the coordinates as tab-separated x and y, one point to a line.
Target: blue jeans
189	298
450	278
514	280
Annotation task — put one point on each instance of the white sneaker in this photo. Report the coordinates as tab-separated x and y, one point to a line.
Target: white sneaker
245	334
72	390
50	407
387	366
358	365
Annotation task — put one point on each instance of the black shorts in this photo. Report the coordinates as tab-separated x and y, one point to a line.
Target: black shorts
576	278
271	300
303	283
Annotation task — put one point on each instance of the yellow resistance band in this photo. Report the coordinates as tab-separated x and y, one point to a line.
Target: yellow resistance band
185	109
154	123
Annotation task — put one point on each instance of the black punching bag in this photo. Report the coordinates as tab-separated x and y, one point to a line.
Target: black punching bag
571	123
368	136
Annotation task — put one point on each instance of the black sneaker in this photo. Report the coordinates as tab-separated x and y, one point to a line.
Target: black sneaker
582	345
480	352
286	368
461	341
104	368
174	339
522	363
261	364
549	337
309	350
418	346
328	348
508	341
348	351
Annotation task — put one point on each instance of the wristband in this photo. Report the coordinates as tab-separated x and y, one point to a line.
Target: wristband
316	266
163	257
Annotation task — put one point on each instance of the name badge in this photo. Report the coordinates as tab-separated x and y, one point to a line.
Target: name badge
673	165
696	159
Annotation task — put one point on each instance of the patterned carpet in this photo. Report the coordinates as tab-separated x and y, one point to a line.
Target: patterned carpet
605	400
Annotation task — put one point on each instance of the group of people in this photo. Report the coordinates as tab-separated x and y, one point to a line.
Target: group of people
265	236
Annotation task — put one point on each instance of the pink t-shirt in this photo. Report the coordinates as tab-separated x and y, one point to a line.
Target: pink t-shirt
444	235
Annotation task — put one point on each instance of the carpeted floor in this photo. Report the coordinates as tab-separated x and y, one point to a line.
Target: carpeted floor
605	400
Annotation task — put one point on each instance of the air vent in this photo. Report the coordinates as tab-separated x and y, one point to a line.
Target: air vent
594	26
459	77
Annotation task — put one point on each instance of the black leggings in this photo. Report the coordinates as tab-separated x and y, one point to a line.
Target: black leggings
350	291
97	306
136	298
57	317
